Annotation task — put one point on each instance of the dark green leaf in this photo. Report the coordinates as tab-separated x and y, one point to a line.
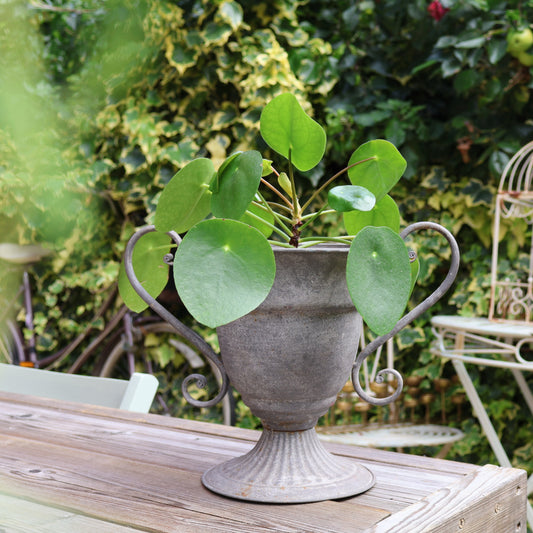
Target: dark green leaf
445	41
465	80
351	197
149	268
497	162
238	181
476	42
186	198
450	67
496	48
372	117
378	274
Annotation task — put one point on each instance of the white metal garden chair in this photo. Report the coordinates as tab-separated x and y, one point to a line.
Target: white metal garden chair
501	339
137	394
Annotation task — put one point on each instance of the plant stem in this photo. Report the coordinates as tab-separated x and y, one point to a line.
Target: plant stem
322	187
272	188
296	212
280	232
280	244
346	240
260	205
283	208
313	217
284	229
295	206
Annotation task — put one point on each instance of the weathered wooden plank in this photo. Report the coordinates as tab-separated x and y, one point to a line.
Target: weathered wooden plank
17	401
397	485
24	516
102	419
140	495
491	496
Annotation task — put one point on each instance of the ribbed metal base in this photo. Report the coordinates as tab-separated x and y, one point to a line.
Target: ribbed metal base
288	467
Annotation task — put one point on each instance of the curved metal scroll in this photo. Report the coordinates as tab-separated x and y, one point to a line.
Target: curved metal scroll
180	328
409	317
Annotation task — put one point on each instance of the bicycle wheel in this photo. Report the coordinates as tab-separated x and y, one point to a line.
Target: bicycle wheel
158	350
11	344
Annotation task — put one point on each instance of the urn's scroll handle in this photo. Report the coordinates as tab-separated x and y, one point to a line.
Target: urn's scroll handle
187	333
408	318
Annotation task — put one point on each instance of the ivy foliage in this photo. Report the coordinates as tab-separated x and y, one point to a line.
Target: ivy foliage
106	101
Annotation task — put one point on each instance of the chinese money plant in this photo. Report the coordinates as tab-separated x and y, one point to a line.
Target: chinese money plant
232	216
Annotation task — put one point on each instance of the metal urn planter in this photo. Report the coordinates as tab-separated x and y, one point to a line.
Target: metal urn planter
288	359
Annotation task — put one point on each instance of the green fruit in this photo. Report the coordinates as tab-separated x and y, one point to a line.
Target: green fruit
519	41
525	58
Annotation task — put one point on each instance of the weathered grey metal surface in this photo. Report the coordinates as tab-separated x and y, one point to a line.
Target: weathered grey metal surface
288	359
194	338
288	467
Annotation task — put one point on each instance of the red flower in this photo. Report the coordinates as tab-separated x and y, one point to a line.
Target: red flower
437	10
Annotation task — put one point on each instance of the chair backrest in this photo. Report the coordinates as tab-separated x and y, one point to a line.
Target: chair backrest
137	394
511	298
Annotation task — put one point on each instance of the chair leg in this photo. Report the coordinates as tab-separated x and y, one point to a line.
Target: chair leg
524	388
529	511
481	414
444	450
488	428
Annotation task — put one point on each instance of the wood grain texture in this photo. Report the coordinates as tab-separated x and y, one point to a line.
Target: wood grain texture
489	496
142	472
24	516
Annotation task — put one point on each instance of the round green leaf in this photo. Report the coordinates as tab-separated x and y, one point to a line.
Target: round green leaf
378	274
223	269
266	227
216	178
350	197
288	129
381	167
185	200
385	213
149	267
237	185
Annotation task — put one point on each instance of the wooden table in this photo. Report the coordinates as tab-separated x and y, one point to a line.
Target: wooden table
71	468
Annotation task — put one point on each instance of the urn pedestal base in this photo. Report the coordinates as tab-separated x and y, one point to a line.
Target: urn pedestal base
288	467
